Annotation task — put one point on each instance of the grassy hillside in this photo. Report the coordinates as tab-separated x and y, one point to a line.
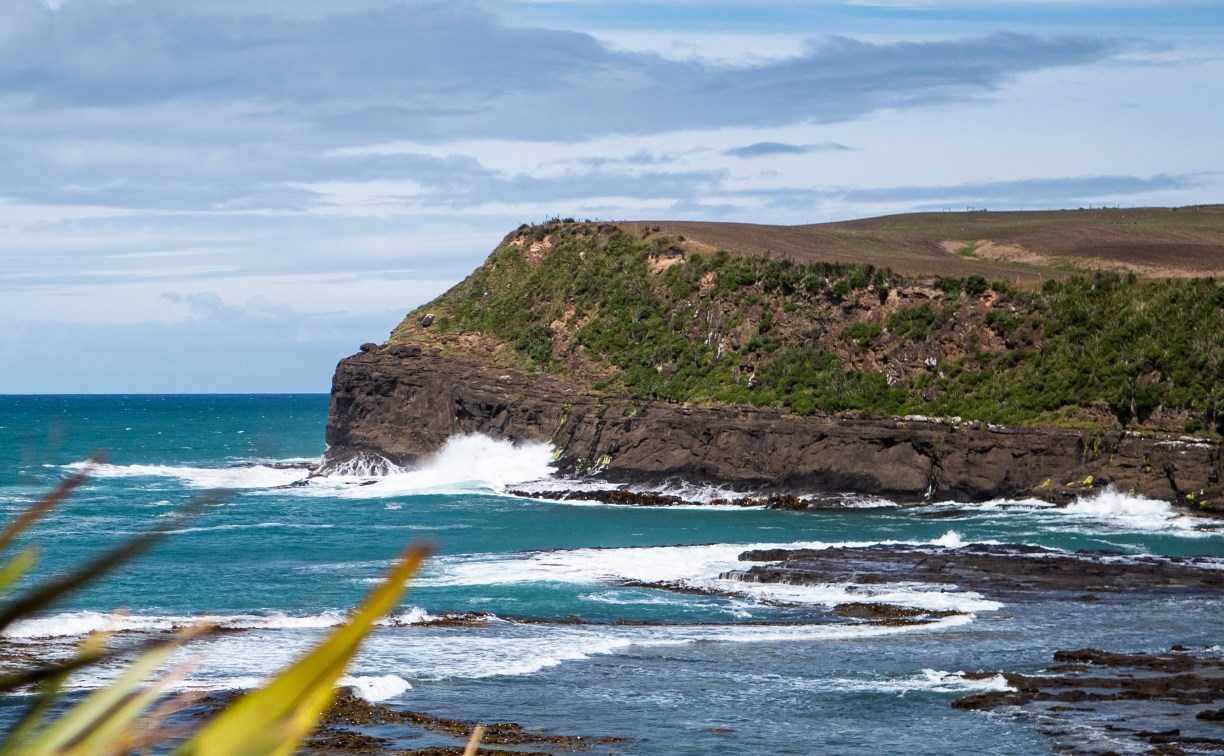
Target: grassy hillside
1021	246
629	308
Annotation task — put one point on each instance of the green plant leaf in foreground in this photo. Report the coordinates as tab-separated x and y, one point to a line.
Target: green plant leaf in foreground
56	588
275	718
104	721
35	513
16	567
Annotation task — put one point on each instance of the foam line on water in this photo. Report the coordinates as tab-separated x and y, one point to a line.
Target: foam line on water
390	661
237	476
72	624
695	567
519	650
648	564
1108	511
698	495
504	650
252	526
927	680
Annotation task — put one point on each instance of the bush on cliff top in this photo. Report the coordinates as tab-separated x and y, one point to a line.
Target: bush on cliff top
662	320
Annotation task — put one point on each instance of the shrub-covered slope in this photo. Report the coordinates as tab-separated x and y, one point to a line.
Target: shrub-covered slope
618	308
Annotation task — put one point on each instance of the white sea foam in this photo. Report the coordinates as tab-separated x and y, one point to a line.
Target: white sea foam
253	526
616	598
698	496
364	466
932	680
72	624
372	688
639	563
81	623
695	567
513	650
519	650
376	688
1133	513
240	476
414	616
949	540
242	660
1106	511
466	463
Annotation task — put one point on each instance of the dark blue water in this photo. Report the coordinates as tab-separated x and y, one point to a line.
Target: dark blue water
766	669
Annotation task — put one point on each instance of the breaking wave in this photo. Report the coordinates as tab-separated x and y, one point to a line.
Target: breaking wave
73	624
466	463
236	476
1107	511
928	680
699	568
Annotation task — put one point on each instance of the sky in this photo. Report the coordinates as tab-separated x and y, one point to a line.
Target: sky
233	195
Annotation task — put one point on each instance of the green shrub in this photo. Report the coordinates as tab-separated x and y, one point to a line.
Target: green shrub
1103	339
975	285
861	333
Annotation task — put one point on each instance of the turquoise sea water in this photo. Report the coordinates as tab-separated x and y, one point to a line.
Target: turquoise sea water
769	669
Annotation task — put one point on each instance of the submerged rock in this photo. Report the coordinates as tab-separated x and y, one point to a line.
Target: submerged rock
1014	572
352	725
1143	700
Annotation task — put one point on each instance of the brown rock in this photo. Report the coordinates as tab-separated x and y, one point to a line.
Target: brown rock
404	404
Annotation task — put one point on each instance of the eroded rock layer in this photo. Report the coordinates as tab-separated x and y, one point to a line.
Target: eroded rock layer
402	403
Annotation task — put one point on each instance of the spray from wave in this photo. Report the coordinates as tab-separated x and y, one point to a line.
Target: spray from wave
74	624
465	464
1127	512
1106	511
697	567
237	476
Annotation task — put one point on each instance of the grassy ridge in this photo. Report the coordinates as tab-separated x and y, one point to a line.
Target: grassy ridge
647	313
1019	246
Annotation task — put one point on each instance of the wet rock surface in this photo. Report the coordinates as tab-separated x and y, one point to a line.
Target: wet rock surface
1100	702
629	498
401	403
1010	572
352	725
1088	701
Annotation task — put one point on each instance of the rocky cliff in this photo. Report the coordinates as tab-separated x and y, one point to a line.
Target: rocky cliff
402	402
644	355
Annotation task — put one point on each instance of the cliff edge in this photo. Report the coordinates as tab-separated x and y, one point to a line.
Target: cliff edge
645	356
402	403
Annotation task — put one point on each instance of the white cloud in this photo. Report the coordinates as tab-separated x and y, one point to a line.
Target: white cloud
310	163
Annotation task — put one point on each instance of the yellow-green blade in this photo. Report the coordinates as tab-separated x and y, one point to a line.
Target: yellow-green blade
47	503
109	709
275	718
16	567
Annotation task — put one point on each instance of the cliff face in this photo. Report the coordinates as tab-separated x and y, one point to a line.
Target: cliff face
402	403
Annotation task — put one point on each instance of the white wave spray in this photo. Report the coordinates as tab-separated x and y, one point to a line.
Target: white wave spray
471	463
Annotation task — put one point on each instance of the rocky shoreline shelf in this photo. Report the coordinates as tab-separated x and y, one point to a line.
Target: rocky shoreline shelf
1100	702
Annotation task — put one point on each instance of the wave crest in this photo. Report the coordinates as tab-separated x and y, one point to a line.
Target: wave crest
472	463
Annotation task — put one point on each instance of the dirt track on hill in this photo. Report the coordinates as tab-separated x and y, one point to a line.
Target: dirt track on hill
1019	246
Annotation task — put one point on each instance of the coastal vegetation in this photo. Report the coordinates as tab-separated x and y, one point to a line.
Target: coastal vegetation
639	310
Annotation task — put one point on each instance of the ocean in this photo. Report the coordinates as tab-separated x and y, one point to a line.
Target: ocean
568	640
